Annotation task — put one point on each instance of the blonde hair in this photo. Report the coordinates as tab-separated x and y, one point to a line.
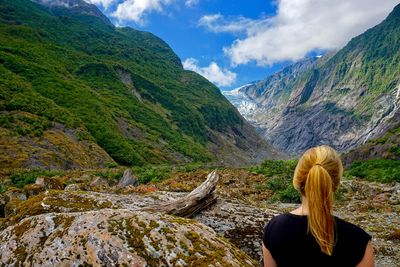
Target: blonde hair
317	176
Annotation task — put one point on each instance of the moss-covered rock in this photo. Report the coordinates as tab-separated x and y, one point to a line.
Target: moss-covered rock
53	201
116	237
33	189
14	193
49	183
99	184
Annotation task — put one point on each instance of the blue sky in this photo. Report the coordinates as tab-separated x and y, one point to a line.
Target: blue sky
234	42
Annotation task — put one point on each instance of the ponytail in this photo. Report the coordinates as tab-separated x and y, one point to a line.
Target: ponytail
319	194
317	177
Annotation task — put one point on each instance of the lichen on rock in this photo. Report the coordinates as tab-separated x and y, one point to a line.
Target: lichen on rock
115	237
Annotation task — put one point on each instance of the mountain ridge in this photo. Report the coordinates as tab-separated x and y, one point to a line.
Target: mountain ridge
344	99
125	90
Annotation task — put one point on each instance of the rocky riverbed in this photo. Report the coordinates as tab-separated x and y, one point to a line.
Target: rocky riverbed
92	222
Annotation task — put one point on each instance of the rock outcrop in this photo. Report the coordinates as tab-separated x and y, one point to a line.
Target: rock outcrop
127	179
113	237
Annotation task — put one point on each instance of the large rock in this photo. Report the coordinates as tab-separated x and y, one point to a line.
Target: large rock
116	237
49	183
236	221
240	223
99	184
15	194
74	187
127	179
33	189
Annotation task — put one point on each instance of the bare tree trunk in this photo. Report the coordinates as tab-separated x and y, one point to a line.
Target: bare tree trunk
197	200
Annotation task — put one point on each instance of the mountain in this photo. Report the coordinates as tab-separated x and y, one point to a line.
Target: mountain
259	101
78	92
386	146
343	99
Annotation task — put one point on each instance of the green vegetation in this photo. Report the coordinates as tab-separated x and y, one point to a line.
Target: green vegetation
279	176
125	89
379	170
370	61
152	174
112	175
21	178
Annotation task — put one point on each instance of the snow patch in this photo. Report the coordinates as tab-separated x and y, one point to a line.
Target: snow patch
244	104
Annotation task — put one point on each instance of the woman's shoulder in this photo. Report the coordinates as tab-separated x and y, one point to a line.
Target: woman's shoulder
350	230
284	219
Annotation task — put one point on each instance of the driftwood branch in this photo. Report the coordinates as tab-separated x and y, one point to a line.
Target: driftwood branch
197	200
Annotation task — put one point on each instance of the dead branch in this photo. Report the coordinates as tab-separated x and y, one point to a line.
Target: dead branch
194	202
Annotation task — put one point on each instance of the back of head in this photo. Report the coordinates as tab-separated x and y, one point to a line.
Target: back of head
317	176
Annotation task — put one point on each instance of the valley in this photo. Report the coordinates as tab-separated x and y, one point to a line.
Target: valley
101	128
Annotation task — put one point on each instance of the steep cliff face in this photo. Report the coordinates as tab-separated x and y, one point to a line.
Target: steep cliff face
342	99
124	91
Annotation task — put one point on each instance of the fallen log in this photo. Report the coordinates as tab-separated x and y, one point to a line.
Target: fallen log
194	202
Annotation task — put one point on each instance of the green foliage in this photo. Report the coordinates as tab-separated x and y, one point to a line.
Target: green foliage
112	175
279	175
283	189
276	167
152	174
377	54
380	170
78	70
112	165
24	124
21	178
2	189
395	149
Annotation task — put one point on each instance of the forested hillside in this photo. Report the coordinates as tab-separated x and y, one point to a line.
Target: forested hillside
342	99
78	92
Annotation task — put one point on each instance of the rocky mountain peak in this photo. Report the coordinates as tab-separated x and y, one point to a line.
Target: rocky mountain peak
75	6
343	99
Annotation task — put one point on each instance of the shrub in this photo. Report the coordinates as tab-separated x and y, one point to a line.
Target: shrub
379	170
152	174
21	178
112	175
279	175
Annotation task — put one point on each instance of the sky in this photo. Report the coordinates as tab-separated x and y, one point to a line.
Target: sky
235	42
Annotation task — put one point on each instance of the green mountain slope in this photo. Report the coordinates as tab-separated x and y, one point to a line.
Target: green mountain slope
125	91
343	99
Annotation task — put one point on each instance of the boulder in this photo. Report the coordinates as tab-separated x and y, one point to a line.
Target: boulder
114	237
240	223
11	207
127	179
99	184
15	194
74	187
33	189
49	183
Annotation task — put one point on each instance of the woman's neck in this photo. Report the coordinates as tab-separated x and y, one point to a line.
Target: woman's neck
302	209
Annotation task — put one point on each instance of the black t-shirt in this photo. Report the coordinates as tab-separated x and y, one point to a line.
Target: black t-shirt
286	237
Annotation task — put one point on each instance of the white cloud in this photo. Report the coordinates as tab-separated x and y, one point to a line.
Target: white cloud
218	23
104	3
135	10
190	3
300	26
221	77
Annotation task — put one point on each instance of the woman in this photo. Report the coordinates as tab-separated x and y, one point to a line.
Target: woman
310	235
